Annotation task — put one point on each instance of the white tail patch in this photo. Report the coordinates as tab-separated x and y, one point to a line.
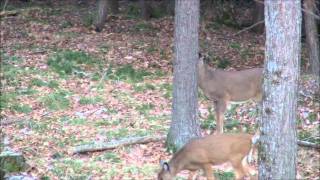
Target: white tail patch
250	156
244	163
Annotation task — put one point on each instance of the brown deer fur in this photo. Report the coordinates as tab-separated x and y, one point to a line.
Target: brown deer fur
211	150
223	87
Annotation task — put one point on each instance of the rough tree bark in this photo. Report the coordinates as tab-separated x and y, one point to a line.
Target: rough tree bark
258	16
311	38
102	14
184	125
145	9
277	153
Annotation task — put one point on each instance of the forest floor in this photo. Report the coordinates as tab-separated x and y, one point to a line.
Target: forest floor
65	85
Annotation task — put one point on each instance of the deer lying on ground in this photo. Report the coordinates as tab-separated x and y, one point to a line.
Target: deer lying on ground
223	87
211	150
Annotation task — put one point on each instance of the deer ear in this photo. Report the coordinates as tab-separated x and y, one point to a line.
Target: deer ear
165	166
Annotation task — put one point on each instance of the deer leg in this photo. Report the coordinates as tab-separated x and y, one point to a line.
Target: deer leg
220	107
191	175
247	169
207	168
238	167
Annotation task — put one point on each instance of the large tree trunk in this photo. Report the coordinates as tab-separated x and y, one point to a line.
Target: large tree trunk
113	6
145	9
184	125
102	14
258	16
312	38
277	155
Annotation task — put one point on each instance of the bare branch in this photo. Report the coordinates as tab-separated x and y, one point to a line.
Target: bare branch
250	27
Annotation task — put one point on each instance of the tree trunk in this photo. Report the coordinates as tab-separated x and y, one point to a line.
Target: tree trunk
102	14
145	9
113	6
258	16
277	153
184	125
311	38
170	4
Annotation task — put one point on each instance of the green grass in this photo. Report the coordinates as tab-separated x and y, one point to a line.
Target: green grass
116	134
26	91
223	63
53	84
235	45
37	126
142	87
109	157
104	122
88	19
308	136
104	47
73	121
90	100
144	27
38	82
224	175
128	74
6	99
146	169
210	122
56	101
65	24
167	89
72	169
144	108
133	12
22	108
77	121
70	62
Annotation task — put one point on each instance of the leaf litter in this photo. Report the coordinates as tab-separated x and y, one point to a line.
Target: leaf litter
125	108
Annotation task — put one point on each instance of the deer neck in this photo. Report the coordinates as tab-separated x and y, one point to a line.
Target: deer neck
176	164
203	70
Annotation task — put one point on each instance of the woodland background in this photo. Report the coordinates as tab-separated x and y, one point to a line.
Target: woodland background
64	84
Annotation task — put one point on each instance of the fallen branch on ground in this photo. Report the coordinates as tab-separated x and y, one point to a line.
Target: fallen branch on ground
116	143
308	144
8	13
250	27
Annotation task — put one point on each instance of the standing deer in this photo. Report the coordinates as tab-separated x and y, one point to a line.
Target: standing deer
211	150
222	87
